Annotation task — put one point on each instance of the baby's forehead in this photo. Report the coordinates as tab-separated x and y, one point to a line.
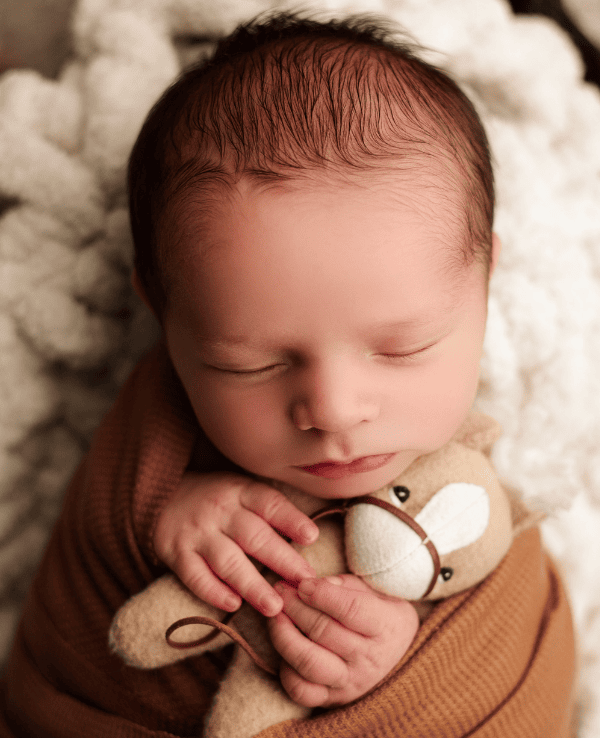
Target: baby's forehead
319	212
282	97
431	189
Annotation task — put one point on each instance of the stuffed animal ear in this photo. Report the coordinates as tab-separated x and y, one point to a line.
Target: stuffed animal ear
479	432
522	517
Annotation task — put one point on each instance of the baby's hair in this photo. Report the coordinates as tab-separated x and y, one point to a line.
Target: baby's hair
285	98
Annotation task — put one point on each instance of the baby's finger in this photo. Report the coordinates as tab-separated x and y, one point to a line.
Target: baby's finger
310	660
280	513
302	691
230	564
257	539
199	579
357	608
319	627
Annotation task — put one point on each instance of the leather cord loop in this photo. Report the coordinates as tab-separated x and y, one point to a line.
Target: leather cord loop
218	626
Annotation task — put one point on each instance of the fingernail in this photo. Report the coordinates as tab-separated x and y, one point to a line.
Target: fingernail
307	587
279	586
232	603
271	605
309	532
310	572
335	580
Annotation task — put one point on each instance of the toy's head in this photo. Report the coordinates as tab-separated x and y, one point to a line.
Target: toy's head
454	523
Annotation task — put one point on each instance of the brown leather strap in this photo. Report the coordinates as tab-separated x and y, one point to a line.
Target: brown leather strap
329	510
194	620
218	626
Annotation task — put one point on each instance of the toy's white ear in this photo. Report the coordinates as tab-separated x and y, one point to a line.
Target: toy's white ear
456	516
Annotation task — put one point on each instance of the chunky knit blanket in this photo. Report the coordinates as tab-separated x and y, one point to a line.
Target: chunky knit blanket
70	330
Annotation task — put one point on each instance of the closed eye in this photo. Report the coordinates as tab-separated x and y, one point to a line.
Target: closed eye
405	358
249	372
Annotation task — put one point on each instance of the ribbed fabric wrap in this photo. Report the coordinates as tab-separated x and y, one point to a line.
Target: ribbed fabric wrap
495	661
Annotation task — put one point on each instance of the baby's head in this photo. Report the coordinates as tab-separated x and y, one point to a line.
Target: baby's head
312	216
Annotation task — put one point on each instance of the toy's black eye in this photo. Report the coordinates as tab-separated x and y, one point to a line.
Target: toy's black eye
401	492
446	572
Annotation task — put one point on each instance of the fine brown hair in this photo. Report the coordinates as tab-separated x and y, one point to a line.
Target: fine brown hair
286	97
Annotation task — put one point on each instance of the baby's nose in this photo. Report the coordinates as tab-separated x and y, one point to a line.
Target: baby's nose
331	420
333	405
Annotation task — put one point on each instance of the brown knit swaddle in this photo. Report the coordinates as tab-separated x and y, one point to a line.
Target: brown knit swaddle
496	660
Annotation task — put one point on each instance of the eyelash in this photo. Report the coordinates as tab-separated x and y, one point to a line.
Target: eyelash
392	358
404	357
262	370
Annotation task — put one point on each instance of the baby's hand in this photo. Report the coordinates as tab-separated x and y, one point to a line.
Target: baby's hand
338	638
214	522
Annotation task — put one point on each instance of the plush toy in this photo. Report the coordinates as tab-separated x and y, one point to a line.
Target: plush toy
442	526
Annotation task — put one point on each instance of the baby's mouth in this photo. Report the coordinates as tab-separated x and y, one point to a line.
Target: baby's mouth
337	470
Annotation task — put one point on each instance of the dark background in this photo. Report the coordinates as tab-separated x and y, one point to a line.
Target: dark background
554	9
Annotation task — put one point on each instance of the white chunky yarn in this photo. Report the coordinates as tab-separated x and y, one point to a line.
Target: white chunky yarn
70	330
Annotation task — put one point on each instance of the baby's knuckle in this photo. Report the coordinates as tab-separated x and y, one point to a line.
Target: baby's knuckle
218	508
308	663
303	693
197	583
257	540
319	627
226	565
244	490
354	655
352	609
270	504
297	691
369	662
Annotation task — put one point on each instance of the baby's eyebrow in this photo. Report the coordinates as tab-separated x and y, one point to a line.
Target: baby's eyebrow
385	328
416	321
228	343
399	325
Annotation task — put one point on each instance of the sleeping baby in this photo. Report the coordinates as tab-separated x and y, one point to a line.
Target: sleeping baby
312	216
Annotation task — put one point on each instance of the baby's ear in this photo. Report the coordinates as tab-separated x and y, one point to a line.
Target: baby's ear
140	291
479	432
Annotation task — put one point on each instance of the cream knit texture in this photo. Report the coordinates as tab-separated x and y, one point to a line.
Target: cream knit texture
70	329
